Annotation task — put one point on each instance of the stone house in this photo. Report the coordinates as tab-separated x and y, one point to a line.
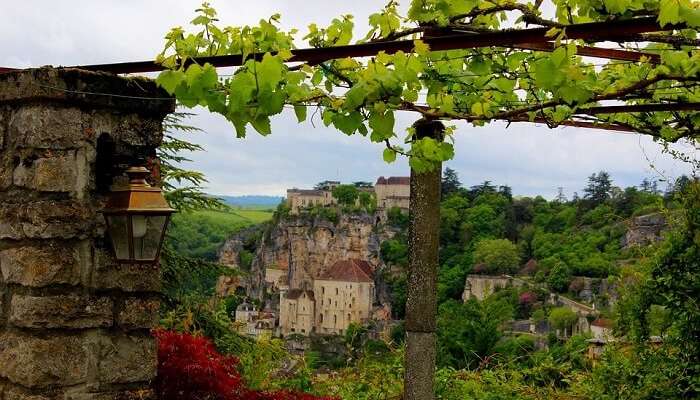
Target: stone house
482	286
341	296
297	311
301	198
394	191
345	295
601	328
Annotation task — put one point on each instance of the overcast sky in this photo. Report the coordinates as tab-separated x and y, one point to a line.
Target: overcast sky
531	158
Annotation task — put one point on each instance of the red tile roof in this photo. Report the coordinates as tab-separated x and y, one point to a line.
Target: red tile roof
394	180
349	271
603	323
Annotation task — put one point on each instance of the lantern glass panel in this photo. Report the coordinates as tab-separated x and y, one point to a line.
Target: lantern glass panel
119	234
148	232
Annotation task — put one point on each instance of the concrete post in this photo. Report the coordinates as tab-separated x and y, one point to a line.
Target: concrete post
421	300
73	324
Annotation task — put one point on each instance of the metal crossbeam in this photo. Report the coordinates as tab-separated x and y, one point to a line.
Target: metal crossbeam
535	37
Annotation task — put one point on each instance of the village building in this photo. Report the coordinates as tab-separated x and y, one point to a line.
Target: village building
394	191
297	311
390	192
298	199
345	295
341	296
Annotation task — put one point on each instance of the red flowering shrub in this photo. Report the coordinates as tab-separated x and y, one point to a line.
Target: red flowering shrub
527	298
190	368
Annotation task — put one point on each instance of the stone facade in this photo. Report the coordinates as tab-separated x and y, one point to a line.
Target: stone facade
481	286
73	323
394	191
341	296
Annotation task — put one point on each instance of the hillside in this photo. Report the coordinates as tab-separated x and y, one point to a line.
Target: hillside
200	234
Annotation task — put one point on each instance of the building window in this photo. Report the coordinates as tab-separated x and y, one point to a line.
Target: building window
323	290
349	317
320	318
336	291
303	331
335	319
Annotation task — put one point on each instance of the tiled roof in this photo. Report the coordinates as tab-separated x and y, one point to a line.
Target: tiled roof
394	180
603	323
296	293
349	271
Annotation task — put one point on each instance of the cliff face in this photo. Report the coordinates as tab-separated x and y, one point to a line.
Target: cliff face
644	230
305	247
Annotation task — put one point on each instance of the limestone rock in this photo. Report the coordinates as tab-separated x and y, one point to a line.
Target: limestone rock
39	362
61	311
37	266
644	230
139	314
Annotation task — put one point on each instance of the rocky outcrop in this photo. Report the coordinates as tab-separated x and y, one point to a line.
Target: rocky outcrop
305	247
644	230
229	253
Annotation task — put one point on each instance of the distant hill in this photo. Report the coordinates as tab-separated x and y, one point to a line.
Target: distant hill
252	200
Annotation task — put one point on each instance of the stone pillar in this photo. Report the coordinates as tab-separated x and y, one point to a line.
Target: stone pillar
73	323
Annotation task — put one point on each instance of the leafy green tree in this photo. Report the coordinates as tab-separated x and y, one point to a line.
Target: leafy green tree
450	182
499	255
346	195
562	318
367	201
559	277
598	189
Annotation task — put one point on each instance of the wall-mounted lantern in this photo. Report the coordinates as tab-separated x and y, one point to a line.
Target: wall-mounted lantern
137	217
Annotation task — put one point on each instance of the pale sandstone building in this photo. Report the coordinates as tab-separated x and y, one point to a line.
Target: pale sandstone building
390	192
340	297
394	191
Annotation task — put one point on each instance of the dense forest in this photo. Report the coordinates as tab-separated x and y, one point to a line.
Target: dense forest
552	244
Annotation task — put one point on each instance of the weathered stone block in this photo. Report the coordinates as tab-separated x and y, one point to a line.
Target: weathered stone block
108	274
124	359
139	314
134	394
61	311
16	393
42	126
52	172
46	219
50	263
38	362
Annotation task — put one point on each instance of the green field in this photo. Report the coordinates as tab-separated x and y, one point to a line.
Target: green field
201	233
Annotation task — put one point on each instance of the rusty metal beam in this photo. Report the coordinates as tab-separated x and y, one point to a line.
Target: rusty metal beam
637	108
596	52
595	31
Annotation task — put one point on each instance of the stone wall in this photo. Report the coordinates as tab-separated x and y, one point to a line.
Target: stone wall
73	324
481	286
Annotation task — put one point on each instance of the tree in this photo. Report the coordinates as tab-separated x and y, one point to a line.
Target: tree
561	197
559	277
649	186
500	256
345	194
478	85
598	189
450	182
367	201
562	318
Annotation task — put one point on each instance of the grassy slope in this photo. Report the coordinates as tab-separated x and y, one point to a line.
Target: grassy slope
201	233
